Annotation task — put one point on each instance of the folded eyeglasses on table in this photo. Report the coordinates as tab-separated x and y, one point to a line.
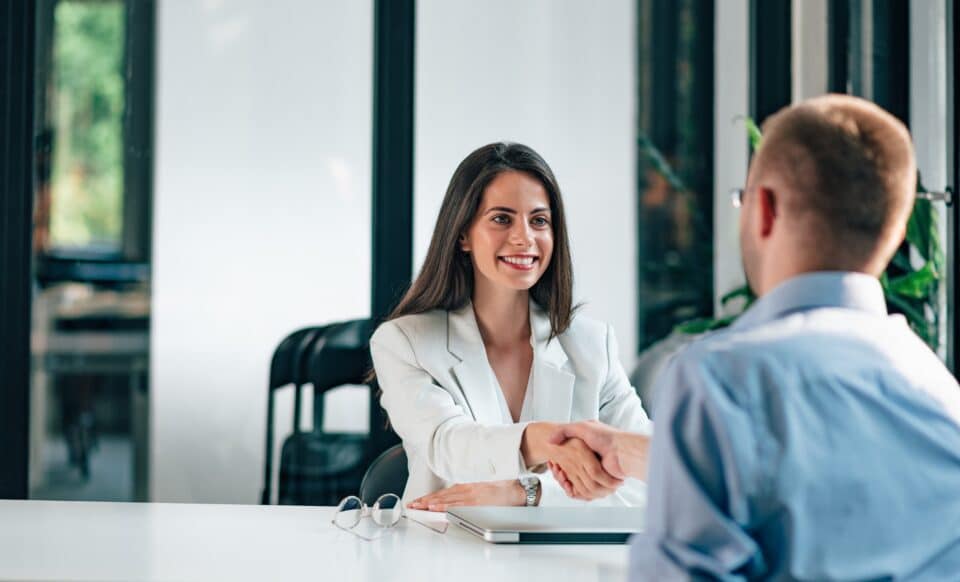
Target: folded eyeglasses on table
386	512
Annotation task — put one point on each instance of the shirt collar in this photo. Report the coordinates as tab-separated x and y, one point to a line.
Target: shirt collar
812	290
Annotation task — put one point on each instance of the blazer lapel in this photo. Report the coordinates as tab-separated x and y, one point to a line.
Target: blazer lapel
552	381
472	372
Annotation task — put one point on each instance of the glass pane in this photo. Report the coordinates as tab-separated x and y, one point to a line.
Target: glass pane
261	225
86	206
675	165
91	306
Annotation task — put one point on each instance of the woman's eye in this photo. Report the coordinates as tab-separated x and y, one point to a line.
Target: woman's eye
540	221
501	219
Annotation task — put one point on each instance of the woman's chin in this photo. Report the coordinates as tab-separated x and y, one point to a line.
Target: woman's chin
521	284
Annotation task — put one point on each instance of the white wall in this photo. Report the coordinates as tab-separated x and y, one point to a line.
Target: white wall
262	220
559	76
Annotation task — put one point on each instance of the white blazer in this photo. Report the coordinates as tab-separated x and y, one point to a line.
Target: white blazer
441	396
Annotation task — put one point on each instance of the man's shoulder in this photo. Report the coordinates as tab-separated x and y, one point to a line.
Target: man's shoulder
828	346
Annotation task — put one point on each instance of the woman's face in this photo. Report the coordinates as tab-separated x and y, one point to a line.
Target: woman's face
510	240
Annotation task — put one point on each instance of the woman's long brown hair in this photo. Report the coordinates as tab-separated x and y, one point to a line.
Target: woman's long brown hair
446	279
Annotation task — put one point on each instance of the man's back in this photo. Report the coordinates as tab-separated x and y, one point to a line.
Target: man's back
817	438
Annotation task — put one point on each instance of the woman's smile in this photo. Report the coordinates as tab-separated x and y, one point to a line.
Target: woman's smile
520	262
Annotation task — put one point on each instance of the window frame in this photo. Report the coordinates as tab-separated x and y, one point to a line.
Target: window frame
17	45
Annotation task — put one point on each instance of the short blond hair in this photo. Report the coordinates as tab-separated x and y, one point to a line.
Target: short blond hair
850	165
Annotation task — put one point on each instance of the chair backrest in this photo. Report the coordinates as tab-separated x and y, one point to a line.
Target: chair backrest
386	474
342	357
285	363
286	368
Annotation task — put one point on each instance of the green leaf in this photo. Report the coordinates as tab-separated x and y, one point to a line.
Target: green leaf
703	325
753	133
695	326
916	285
902	261
742	291
659	163
921	227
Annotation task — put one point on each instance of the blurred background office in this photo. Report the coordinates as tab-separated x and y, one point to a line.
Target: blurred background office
209	175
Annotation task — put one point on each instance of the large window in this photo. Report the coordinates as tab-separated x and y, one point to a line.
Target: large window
894	55
675	165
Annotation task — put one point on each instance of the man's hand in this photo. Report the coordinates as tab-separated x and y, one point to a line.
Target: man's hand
622	454
584	476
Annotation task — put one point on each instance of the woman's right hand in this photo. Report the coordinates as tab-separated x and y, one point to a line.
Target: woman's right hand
584	472
585	477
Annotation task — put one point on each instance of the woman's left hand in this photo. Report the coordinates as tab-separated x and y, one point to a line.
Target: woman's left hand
484	493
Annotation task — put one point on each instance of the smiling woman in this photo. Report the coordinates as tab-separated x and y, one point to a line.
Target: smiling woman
484	354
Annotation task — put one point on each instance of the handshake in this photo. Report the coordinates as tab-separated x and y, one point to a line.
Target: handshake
589	459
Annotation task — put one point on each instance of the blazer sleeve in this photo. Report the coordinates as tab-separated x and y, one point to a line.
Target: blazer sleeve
430	421
620	405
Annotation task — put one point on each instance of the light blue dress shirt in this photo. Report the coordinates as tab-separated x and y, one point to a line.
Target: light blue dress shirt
817	438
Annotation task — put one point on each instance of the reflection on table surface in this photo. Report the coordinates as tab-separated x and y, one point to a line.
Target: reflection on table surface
154	541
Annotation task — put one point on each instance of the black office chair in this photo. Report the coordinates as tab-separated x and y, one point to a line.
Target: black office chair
287	367
320	468
386	474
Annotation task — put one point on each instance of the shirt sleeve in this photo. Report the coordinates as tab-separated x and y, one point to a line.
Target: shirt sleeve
700	480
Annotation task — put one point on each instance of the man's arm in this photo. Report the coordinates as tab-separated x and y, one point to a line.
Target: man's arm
623	454
702	480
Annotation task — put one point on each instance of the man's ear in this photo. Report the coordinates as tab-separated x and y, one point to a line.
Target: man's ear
767	206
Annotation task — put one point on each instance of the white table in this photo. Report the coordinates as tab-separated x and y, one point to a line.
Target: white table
52	540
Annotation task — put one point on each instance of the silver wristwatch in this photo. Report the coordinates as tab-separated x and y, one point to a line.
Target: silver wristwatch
531	487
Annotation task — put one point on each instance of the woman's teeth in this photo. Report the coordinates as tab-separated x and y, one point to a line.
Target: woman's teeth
523	261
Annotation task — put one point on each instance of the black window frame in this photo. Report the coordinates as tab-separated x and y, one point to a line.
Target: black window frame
17	38
771	70
391	265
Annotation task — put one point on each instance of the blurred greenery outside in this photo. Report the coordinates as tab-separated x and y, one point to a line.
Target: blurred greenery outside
675	185
87	118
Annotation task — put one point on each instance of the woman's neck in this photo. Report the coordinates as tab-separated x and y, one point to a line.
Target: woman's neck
503	316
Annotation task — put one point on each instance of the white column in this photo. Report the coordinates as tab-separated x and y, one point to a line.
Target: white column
810	45
929	123
732	103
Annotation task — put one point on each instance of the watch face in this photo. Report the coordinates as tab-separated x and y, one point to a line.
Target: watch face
531	485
